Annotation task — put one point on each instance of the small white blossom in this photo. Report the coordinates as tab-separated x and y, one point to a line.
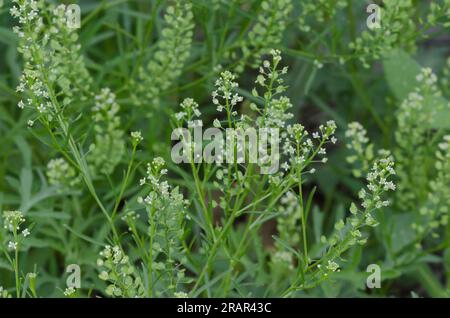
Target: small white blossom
216	123
136	137
69	291
12	245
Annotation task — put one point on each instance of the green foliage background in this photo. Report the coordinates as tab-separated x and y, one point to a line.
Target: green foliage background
328	78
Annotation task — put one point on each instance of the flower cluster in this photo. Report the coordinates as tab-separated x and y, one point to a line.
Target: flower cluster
12	222
348	233
318	11
180	295
225	96
108	147
136	138
70	292
265	34
166	209
61	174
159	188
301	150
434	211
438	13
289	219
4	293
361	151
172	52
189	113
397	30
53	63
422	188
414	117
378	183
161	195
68	68
275	112
122	278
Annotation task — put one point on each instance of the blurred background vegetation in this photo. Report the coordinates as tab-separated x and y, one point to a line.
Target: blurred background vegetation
329	78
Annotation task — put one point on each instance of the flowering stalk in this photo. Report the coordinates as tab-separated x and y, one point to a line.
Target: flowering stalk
172	51
299	151
348	234
12	222
166	214
39	79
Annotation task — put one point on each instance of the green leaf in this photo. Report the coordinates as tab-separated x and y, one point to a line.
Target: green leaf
400	71
317	223
26	181
8	37
440	108
353	208
402	233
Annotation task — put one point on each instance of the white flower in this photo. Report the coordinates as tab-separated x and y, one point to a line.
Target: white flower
285	166
180	295
14	12
318	64
136	137
12	245
216	123
41	108
190	107
180	115
389	186
12	220
26	232
332	266
69	291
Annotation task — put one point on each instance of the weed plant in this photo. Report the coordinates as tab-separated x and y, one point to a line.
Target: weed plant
357	176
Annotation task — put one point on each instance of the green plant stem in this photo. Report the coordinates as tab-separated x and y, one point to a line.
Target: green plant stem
152	231
124	184
201	198
302	215
72	145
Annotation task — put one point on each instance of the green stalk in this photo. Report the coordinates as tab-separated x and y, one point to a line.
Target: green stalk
302	213
72	145
16	261
150	253
124	184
